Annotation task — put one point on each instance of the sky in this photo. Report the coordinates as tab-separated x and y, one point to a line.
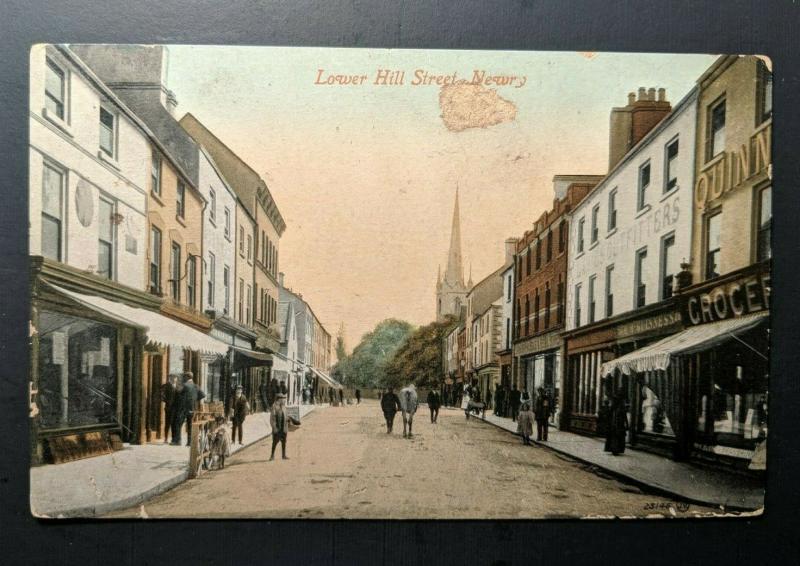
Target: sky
365	174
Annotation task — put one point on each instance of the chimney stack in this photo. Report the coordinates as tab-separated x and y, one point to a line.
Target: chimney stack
511	249
629	124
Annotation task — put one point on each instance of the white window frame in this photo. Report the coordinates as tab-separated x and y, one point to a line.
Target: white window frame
114	131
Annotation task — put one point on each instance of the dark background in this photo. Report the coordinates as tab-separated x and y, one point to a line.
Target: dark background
726	26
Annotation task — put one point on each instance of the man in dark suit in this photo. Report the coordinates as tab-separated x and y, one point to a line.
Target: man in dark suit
514	402
168	393
191	395
434	403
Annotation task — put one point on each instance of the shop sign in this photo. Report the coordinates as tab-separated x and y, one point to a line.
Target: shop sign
734	167
742	296
647	325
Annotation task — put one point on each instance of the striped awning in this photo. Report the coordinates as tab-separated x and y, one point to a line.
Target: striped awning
657	356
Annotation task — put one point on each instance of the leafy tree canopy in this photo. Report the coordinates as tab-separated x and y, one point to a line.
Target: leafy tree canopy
366	367
419	359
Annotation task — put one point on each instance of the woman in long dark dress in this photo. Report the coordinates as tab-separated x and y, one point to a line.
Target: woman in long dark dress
618	425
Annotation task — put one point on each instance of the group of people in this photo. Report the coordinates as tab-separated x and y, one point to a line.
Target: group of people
539	413
180	397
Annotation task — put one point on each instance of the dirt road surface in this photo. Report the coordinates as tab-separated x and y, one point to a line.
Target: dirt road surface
343	464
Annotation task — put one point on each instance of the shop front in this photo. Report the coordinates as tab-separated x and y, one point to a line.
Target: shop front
539	365
252	369
705	388
586	390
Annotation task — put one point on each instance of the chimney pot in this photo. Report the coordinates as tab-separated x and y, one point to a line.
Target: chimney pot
662	95
651	94
631	98
641	93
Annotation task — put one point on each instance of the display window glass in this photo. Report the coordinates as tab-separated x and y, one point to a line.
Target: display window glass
77	365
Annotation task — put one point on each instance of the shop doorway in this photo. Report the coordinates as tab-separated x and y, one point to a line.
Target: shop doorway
155	378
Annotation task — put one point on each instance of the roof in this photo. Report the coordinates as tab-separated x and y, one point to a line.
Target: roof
487	290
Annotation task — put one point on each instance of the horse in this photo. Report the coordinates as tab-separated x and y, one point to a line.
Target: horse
408	405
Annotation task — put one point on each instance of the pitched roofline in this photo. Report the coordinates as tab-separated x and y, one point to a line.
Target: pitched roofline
138	122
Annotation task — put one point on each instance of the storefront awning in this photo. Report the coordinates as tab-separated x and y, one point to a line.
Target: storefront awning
244	358
327	379
160	330
657	356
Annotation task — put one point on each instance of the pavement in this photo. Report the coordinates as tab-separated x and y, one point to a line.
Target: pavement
682	480
96	486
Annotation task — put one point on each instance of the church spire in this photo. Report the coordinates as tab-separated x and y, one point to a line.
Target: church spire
454	274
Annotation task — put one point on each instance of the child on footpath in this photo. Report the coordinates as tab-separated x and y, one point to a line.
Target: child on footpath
525	423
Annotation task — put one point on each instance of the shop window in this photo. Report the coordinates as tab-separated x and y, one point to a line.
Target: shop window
764	247
716	130
712	239
669	266
738	408
644	183
653	418
609	291
105	248
595	229
612	210
671	168
175	280
155	260
77	372
592	302
640	288
107	128
52	211
55	90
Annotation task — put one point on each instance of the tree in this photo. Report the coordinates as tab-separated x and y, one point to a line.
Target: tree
419	359
341	350
366	367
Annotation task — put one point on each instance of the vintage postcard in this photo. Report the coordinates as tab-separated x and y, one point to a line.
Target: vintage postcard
398	284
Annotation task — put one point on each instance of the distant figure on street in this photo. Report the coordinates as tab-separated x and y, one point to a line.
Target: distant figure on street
474	405
263	395
488	399
617	425
514	402
525	395
358	396
434	403
390	404
498	400
279	421
241	408
525	423
168	394
177	417
220	443
341	397
542	410
408	405
190	396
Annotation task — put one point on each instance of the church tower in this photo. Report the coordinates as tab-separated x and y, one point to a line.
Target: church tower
451	292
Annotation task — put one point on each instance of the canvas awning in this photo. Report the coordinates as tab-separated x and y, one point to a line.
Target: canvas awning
160	330
327	379
657	356
245	358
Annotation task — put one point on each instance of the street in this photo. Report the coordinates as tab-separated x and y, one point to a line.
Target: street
342	464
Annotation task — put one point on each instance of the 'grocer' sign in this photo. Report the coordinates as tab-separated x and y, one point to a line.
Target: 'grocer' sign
728	300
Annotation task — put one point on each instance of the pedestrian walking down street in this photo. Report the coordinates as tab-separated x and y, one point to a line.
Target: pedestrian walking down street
168	394
525	423
177	417
358	396
617	425
434	403
279	421
514	402
191	395
341	397
542	410
390	404
408	405
241	408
